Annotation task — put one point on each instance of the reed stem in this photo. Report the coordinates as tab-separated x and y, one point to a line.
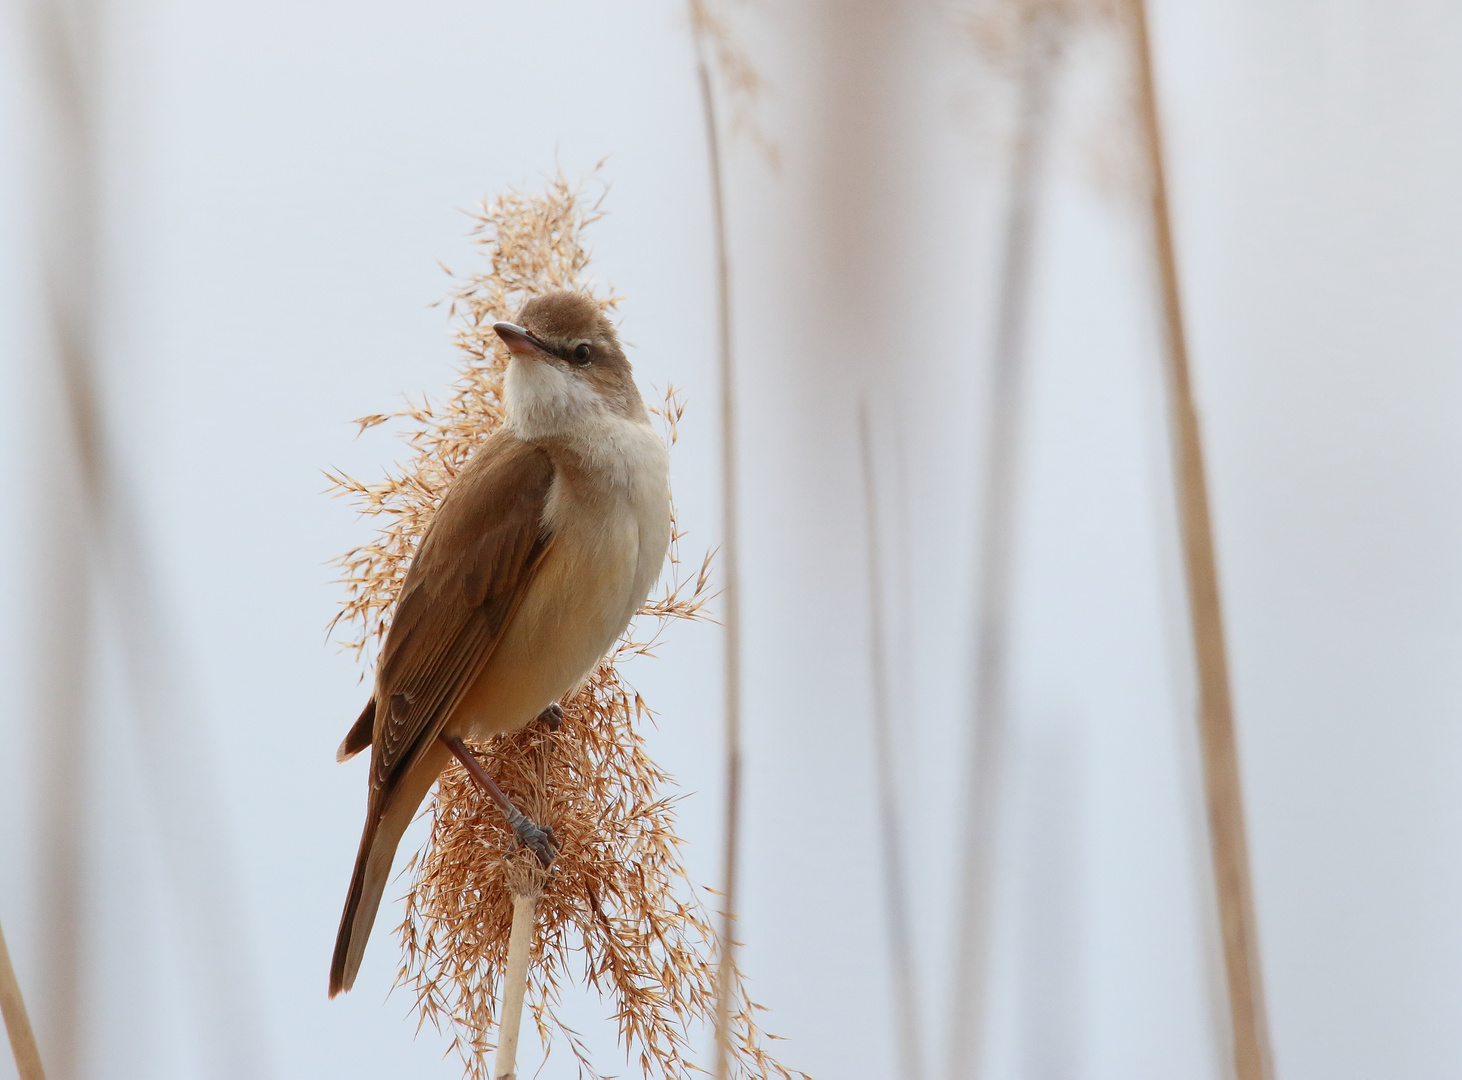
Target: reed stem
515	986
1223	789
895	889
984	772
65	46
17	1020
730	568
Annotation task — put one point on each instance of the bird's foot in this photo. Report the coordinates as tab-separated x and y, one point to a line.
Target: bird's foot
552	716
538	839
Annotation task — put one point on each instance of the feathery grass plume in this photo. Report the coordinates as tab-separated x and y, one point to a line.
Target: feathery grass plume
998	27
739	77
1089	36
617	897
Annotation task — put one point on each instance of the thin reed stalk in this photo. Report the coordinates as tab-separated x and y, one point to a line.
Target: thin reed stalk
1040	44
1222	784
908	1035
17	1020
701	29
68	230
515	984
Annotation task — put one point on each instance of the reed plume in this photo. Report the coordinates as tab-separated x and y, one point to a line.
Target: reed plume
1000	29
616	910
741	82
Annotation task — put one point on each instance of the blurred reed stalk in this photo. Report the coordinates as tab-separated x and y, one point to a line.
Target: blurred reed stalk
98	553
68	227
17	1020
1224	790
704	30
1041	30
890	825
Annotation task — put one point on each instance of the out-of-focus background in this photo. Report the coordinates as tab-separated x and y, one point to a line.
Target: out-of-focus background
250	237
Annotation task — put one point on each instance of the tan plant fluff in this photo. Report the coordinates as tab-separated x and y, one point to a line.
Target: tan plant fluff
996	27
741	82
1104	104
616	911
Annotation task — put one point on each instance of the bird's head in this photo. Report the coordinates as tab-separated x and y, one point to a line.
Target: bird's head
567	368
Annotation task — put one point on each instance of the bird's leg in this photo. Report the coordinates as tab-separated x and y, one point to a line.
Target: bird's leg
552	716
537	838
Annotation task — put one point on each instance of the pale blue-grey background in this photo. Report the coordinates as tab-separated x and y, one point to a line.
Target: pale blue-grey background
279	183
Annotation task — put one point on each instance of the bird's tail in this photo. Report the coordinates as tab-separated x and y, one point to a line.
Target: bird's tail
373	860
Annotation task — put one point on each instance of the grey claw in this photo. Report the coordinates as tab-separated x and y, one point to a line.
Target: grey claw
552	716
539	839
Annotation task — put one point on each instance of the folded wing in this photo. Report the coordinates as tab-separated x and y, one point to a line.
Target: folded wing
469	576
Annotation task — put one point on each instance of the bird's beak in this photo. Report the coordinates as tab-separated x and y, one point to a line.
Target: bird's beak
520	342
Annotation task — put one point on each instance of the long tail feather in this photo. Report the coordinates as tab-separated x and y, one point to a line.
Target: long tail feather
378	842
361	904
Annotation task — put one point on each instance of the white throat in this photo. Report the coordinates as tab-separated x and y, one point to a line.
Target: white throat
544	401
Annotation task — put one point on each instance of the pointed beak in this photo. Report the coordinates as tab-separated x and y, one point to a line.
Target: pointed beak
520	342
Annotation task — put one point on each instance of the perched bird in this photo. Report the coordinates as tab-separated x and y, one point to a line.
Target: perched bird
543	548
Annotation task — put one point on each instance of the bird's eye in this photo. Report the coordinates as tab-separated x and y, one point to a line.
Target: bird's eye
581	353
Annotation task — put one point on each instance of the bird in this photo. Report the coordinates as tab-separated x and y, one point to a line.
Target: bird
542	550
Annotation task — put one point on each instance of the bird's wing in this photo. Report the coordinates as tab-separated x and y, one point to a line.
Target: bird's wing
473	568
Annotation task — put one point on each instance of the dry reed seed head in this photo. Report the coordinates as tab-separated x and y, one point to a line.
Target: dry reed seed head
737	71
719	50
1091	36
616	911
999	29
1111	140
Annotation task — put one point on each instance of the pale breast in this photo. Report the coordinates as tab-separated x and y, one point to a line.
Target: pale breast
610	518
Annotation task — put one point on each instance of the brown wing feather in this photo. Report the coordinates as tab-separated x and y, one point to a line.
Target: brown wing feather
471	572
360	734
